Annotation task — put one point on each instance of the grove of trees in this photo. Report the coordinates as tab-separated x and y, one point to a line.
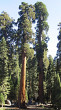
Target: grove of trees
26	72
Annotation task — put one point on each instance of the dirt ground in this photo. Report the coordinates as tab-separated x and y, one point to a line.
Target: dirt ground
30	107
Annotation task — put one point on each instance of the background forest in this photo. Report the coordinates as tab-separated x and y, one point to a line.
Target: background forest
23	58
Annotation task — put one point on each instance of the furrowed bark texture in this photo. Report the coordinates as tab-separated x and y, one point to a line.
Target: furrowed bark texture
22	82
41	92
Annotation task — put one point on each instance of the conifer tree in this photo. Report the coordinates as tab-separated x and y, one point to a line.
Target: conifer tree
56	92
24	36
4	75
6	27
41	17
32	78
14	71
49	79
59	51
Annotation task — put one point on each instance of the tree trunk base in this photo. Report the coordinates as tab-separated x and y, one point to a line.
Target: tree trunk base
23	106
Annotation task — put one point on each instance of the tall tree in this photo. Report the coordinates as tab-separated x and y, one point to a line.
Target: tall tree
49	78
14	73
25	36
6	30
56	92
4	75
42	25
9	33
59	51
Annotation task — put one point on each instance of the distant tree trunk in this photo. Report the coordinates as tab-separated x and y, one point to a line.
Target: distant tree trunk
2	104
22	82
41	92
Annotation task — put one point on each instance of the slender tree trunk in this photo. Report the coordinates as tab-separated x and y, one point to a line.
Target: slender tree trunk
22	82
41	92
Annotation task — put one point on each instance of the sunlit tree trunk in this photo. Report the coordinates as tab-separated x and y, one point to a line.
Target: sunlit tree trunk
22	82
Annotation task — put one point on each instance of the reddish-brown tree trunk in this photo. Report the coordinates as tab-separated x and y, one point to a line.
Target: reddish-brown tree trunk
22	82
41	92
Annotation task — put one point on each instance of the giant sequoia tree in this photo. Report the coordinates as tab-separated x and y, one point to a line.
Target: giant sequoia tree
42	25
24	36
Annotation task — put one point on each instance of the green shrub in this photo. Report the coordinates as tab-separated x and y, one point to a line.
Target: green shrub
1	98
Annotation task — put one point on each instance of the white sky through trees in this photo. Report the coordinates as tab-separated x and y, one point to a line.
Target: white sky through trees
54	10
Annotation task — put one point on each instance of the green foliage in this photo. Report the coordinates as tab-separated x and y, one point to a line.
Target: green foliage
41	15
28	51
9	58
4	75
26	94
14	70
41	44
45	70
27	15
56	92
6	24
49	78
4	20
1	98
41	10
32	78
25	22
45	61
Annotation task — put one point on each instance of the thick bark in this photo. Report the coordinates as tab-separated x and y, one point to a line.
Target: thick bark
41	92
22	82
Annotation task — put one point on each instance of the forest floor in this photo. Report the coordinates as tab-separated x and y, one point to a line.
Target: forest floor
29	107
40	107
